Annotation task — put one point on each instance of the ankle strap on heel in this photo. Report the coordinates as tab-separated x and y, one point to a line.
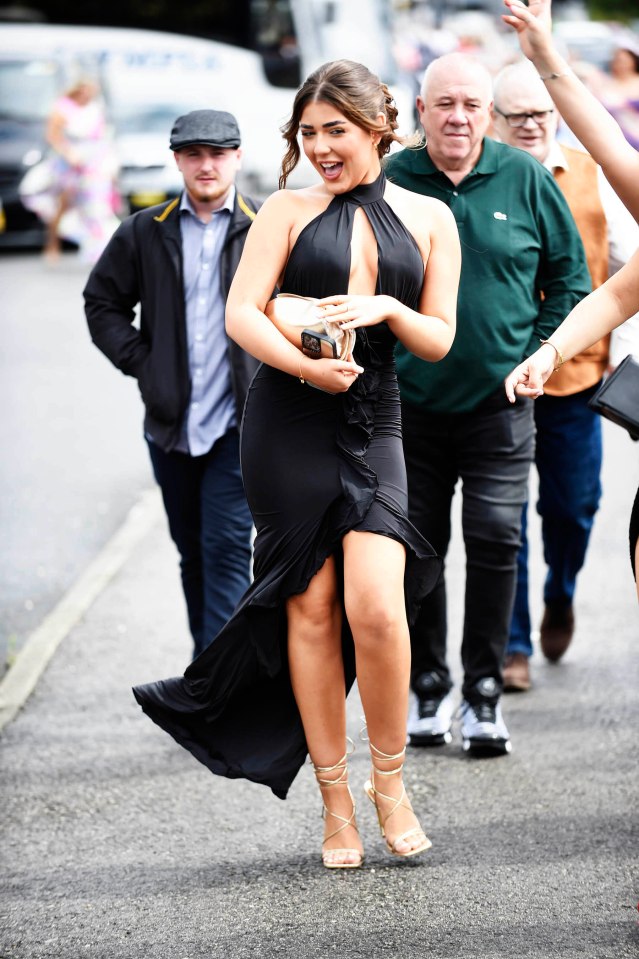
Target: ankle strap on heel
321	771
347	858
341	764
377	754
395	803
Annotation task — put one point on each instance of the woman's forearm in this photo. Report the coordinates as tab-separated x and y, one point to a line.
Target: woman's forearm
594	127
428	337
594	317
586	116
251	330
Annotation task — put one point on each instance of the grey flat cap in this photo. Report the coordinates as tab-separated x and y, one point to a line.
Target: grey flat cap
214	128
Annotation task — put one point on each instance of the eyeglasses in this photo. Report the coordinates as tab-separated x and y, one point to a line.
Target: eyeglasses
540	117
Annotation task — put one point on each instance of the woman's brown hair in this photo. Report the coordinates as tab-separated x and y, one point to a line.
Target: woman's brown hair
356	92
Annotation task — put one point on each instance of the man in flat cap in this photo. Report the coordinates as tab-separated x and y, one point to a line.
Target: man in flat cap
176	261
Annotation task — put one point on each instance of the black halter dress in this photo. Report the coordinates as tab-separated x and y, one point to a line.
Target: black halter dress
315	466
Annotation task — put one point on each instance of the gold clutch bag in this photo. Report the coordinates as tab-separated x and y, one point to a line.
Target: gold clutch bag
293	314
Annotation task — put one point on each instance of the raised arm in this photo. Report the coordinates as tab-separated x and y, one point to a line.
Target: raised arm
589	120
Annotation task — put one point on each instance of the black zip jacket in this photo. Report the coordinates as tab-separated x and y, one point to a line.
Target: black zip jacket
142	263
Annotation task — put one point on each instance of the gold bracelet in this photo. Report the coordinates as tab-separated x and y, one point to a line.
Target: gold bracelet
555	76
560	355
301	378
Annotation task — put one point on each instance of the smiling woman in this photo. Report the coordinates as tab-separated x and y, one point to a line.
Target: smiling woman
336	559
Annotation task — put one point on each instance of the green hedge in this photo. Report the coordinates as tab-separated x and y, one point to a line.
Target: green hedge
623	10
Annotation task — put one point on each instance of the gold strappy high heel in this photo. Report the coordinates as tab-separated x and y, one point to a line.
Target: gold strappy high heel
341	780
372	792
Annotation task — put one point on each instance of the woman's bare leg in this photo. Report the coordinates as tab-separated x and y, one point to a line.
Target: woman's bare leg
375	607
317	676
52	247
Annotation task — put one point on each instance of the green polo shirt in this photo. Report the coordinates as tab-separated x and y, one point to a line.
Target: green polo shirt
518	237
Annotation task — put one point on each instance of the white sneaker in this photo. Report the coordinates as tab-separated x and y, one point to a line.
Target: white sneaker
483	729
430	718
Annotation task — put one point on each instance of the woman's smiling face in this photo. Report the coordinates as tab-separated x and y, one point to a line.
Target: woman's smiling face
343	153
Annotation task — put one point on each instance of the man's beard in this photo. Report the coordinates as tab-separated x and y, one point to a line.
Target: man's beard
212	191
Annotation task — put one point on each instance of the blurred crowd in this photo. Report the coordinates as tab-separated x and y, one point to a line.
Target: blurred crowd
605	55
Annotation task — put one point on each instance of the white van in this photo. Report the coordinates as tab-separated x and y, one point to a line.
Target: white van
149	78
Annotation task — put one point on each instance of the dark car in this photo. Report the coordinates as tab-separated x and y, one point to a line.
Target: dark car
28	88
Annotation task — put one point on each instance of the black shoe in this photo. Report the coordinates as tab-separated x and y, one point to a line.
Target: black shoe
483	729
431	712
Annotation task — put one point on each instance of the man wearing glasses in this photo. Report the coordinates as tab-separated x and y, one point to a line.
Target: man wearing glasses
523	269
568	447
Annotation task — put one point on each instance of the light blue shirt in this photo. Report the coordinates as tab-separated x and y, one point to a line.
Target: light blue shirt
212	407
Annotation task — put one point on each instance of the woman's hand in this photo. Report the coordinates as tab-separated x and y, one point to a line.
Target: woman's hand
72	157
334	376
353	310
533	25
529	377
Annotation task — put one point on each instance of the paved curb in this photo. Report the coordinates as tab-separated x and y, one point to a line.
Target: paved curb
21	679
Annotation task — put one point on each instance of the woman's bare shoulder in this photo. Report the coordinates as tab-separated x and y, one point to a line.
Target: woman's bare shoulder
423	216
403	199
292	210
295	200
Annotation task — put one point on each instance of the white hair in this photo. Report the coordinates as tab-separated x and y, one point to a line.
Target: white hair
520	74
458	63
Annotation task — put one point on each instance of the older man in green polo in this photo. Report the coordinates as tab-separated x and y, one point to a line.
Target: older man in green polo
523	269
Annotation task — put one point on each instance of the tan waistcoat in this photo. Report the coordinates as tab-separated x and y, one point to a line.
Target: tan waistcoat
580	187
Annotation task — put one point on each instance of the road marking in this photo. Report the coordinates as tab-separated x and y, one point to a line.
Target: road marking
20	680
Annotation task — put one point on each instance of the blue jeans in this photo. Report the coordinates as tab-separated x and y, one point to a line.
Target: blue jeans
568	458
210	523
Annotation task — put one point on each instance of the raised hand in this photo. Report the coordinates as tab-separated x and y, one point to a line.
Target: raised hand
533	25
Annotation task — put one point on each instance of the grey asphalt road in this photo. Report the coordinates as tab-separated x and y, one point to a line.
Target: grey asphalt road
116	843
74	460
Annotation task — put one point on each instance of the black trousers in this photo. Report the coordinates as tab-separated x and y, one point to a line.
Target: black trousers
490	449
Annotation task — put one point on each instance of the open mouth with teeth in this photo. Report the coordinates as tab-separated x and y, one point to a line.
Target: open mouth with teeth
331	170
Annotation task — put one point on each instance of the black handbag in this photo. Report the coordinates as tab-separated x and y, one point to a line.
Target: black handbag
618	397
